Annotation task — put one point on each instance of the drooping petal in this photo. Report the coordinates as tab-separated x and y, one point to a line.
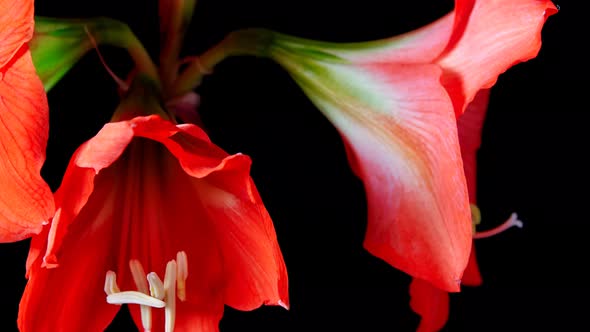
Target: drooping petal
26	201
401	133
496	36
16	28
431	303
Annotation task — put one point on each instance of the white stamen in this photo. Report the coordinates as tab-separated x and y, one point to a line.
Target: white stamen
181	275
141	283
133	297
156	285
170	299
110	283
512	221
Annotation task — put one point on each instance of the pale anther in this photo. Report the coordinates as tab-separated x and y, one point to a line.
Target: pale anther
139	276
110	283
181	275
156	285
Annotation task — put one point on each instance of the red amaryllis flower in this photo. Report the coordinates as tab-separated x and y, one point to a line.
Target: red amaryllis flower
26	201
399	122
146	195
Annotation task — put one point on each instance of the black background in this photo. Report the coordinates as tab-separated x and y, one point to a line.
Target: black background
532	161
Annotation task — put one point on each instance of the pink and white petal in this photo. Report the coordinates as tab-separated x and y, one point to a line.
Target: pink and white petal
26	201
497	35
400	126
16	28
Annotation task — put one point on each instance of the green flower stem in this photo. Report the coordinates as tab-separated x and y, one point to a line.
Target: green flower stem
115	33
175	17
254	42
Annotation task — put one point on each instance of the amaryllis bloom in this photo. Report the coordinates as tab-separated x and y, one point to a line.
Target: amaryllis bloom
26	202
431	302
158	217
150	213
395	103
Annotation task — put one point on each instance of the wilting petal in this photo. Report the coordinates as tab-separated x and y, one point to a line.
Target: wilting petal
495	36
16	28
431	303
26	201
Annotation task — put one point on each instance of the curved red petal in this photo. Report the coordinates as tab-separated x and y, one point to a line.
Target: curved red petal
495	36
431	303
403	140
253	265
469	128
16	28
26	201
71	297
472	275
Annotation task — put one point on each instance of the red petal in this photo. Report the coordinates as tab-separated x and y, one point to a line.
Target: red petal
431	303
253	265
16	28
472	276
71	297
469	127
408	158
495	36
26	201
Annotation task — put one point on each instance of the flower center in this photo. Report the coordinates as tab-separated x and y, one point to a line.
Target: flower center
152	292
476	220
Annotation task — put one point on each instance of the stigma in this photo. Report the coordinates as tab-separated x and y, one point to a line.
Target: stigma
151	291
512	221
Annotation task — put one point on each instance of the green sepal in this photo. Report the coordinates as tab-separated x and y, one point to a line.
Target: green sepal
58	44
